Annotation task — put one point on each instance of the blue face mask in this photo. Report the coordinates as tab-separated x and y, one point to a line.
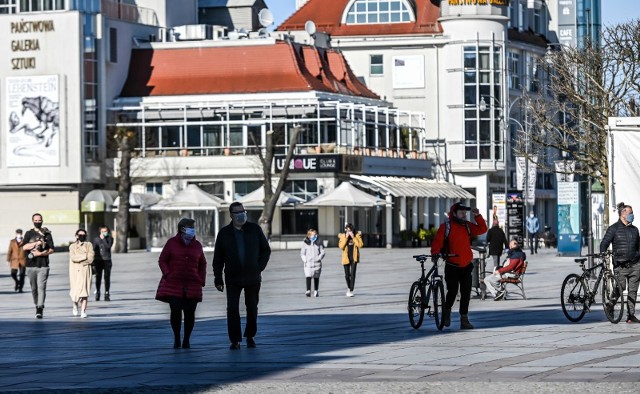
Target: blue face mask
314	238
188	233
630	218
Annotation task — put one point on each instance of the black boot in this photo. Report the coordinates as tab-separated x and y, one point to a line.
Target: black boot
98	296
106	297
464	323
446	317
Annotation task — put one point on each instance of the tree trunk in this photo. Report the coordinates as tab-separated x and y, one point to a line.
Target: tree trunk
124	190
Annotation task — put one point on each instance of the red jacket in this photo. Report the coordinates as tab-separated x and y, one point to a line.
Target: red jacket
516	261
459	242
184	270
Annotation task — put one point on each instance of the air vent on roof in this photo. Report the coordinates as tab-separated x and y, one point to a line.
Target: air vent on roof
194	32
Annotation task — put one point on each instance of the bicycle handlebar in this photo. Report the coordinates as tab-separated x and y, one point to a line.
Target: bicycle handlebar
423	257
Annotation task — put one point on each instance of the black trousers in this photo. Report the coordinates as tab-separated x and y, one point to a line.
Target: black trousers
180	306
458	278
350	274
632	273
533	242
18	276
251	298
101	266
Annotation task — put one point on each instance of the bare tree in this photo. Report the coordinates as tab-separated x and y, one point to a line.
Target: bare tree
569	112
266	160
125	140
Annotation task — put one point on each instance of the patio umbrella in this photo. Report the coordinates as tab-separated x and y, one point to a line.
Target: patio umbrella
255	199
346	195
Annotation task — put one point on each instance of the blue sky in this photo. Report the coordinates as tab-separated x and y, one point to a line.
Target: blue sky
613	11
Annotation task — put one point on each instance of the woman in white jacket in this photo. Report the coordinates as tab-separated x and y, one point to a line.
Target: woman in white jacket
312	253
80	258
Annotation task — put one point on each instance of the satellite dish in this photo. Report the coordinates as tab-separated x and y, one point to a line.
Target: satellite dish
310	27
265	17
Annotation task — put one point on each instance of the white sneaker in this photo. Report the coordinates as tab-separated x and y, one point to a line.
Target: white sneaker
83	315
75	309
349	293
315	293
307	293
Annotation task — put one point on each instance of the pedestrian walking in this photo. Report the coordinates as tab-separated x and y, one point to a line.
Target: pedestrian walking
242	251
81	256
17	261
454	237
350	242
184	272
533	226
312	253
102	264
38	243
497	241
624	238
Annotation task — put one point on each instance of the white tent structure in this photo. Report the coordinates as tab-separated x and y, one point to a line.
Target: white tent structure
139	201
255	199
192	202
346	195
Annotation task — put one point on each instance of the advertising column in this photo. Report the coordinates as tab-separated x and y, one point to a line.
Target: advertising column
515	216
569	242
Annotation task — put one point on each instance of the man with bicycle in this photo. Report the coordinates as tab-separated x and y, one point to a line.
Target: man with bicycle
454	237
625	240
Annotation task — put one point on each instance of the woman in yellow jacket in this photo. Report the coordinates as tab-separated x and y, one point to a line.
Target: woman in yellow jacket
350	243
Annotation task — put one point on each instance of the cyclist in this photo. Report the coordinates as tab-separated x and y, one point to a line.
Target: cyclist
625	239
454	237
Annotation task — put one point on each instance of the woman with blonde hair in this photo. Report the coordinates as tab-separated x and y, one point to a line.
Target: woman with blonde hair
80	259
350	243
312	253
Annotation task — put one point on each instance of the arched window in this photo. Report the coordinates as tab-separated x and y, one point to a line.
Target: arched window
378	11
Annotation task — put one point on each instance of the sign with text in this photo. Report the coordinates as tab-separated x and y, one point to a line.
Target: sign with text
309	163
522	167
499	210
569	241
515	216
567	29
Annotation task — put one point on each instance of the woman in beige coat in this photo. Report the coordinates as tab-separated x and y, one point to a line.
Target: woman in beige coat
17	260
80	259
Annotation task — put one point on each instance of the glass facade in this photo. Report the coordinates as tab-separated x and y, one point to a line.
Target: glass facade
482	82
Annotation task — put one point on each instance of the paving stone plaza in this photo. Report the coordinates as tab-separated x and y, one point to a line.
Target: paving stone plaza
327	344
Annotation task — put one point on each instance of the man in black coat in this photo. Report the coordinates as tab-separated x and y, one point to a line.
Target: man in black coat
497	241
243	252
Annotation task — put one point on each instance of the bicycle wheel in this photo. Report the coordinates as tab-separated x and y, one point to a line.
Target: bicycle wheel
612	298
438	304
416	305
573	297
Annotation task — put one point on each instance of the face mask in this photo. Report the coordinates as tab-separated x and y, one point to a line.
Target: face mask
37	224
240	218
105	234
18	239
531	215
630	218
189	233
82	238
314	238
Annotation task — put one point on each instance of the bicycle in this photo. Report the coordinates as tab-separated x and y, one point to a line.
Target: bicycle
577	295
420	295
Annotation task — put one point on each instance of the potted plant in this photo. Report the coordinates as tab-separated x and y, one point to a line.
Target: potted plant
405	238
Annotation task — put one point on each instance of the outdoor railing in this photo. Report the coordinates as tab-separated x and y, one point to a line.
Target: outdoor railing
129	13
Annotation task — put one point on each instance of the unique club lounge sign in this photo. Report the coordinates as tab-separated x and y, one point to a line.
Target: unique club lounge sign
27	42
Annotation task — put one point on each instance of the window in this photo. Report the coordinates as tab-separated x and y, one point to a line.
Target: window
514	70
113	45
91	94
8	7
305	189
154	188
39	5
376	65
379	11
482	78
298	221
242	188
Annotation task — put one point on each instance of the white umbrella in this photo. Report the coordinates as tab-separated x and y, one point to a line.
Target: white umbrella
139	200
189	199
255	199
346	195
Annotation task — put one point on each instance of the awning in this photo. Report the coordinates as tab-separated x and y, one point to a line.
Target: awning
411	187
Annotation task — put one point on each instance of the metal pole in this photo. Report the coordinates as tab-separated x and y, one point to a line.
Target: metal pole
526	175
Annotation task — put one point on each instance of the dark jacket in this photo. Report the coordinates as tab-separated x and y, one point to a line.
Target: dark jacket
184	270
516	260
497	241
102	248
625	240
32	236
225	256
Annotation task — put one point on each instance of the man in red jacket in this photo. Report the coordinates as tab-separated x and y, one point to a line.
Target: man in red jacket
516	260
454	237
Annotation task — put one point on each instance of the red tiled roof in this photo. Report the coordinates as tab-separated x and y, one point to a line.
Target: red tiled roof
282	67
327	15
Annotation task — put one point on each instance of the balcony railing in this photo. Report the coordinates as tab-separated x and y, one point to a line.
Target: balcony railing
129	13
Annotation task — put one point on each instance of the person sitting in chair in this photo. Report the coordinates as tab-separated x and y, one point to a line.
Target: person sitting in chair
515	258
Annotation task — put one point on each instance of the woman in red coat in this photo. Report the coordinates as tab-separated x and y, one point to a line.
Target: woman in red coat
184	270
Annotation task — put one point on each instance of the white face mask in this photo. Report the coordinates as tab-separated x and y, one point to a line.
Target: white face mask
531	214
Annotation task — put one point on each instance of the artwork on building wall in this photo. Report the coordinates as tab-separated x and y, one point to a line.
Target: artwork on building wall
408	72
32	107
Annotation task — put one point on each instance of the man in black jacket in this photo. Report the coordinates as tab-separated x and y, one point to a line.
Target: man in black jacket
38	244
243	252
102	262
497	241
626	244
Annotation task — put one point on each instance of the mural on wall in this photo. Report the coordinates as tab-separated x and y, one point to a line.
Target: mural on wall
32	106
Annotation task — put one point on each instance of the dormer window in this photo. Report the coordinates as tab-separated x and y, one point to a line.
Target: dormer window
362	12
